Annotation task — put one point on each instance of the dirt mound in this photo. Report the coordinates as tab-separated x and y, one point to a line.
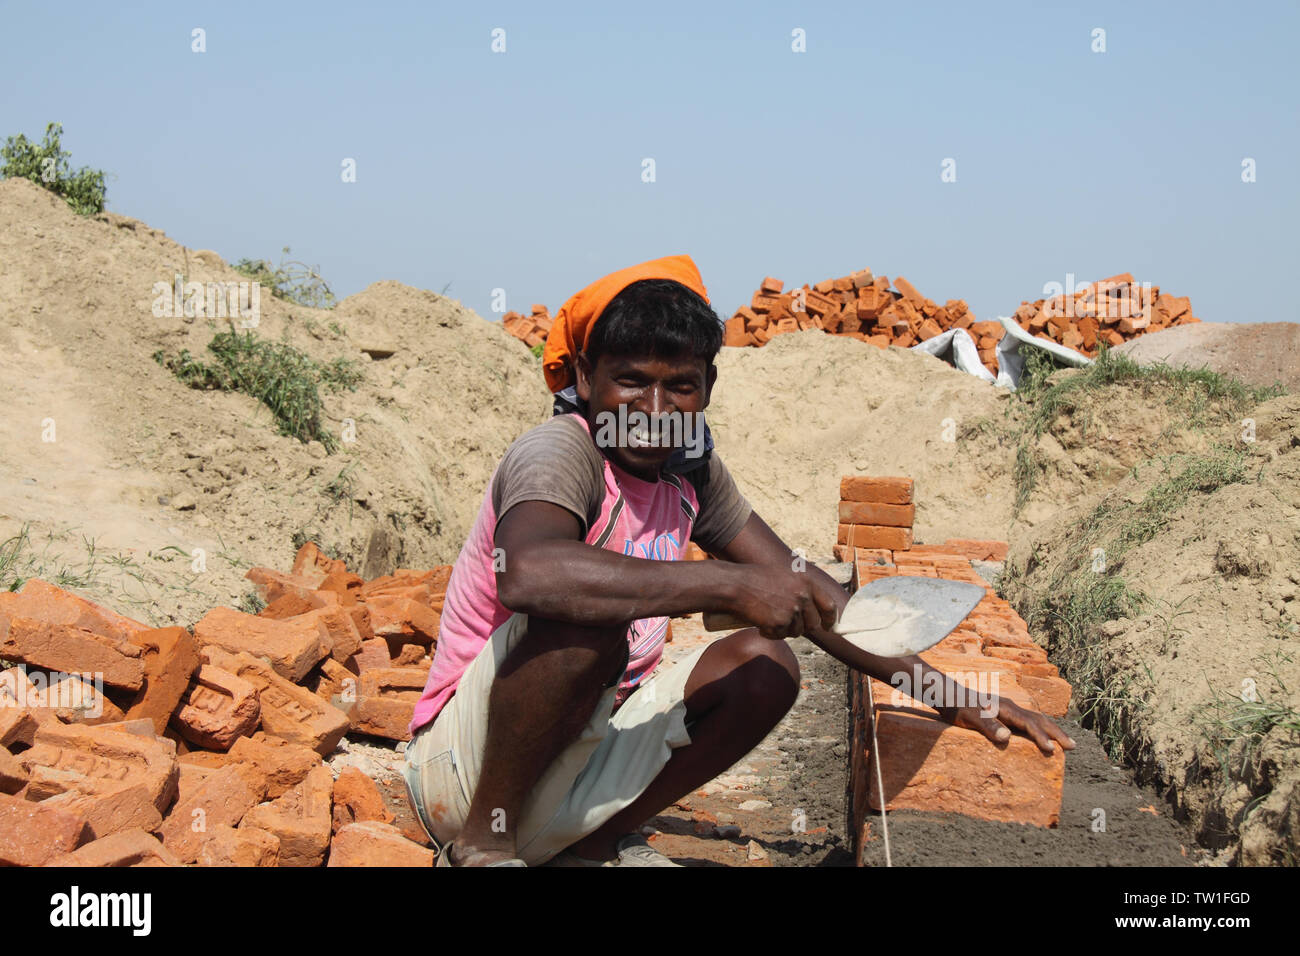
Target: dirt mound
1260	353
795	416
1173	604
180	491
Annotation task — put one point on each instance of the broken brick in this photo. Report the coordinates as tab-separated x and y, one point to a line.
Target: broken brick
73	649
376	844
218	709
289	712
293	646
300	818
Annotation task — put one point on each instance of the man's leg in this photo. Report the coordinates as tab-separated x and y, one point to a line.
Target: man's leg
739	690
541	700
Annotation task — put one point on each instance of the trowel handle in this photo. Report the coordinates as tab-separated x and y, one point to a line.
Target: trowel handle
721	621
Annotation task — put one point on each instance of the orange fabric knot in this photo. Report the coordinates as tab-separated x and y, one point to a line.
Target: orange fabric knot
577	317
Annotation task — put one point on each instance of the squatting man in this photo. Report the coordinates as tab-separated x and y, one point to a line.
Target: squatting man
546	734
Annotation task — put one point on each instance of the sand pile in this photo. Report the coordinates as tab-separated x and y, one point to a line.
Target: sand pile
187	489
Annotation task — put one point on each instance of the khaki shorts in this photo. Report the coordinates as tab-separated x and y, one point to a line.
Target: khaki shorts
611	763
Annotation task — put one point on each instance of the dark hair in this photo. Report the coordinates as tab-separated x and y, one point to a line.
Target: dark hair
659	318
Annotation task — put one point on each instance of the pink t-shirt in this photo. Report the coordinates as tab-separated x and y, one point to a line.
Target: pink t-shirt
651	520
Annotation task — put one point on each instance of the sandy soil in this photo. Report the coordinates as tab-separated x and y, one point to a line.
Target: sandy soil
1260	353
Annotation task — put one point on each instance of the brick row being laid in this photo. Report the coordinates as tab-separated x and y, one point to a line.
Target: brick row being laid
1107	312
928	764
529	329
125	745
875	512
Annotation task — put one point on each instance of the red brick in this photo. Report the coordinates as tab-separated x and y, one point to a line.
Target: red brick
245	846
127	848
311	563
928	764
909	292
875	536
291	605
225	796
376	844
374	654
283	765
977	549
12	775
32	834
293	646
301	819
862	278
218	709
271	585
84	759
404	619
343	583
170	659
289	712
733	333
889	491
357	800
44	602
871	512
928	330
386	701
66	647
111	808
763	303
772	286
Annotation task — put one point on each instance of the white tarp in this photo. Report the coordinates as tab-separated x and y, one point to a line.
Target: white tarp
957	348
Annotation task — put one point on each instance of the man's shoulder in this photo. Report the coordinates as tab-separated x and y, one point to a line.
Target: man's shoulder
566	432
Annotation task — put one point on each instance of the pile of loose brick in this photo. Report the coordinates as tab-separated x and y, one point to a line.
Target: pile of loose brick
929	764
206	747
1109	311
860	306
865	307
529	329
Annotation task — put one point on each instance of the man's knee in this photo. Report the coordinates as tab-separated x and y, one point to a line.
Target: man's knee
769	667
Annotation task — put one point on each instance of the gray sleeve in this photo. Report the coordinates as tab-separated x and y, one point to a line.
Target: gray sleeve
723	509
554	462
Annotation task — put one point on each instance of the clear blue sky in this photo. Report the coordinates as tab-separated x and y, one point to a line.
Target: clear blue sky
523	170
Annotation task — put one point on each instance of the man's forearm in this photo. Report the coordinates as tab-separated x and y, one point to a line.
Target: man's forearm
886	669
572	581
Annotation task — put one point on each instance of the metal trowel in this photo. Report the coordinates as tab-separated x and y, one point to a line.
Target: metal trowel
894	616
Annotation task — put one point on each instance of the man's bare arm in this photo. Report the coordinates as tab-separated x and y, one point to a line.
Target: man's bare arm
551	572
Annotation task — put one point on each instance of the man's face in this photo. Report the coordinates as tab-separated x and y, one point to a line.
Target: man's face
662	399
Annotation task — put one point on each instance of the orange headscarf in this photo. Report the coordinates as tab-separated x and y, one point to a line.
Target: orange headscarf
573	324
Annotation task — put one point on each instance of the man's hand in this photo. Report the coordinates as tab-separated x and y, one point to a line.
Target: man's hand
1001	717
783	603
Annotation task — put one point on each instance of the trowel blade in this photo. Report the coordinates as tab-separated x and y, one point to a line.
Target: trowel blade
902	615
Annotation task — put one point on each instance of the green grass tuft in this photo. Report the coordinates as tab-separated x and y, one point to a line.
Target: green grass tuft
278	375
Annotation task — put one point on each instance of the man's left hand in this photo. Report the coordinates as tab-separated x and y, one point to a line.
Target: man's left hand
1001	717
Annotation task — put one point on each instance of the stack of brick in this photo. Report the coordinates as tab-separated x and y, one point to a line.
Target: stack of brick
529	329
928	764
875	513
1110	311
861	306
115	737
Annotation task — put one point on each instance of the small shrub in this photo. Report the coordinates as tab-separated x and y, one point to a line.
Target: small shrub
47	166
